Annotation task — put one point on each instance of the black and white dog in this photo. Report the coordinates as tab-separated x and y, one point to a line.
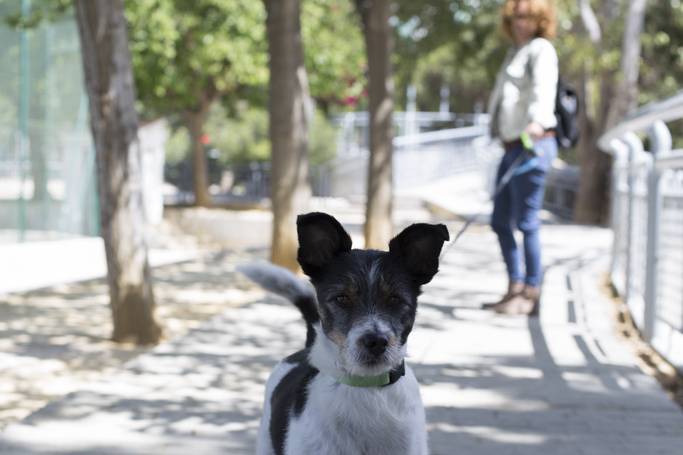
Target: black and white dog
349	391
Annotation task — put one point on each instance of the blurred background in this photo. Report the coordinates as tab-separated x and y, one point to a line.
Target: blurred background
224	157
444	59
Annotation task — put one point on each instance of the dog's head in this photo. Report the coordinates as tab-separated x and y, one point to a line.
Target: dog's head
367	299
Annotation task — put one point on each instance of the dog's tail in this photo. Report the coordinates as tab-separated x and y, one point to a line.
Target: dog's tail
281	281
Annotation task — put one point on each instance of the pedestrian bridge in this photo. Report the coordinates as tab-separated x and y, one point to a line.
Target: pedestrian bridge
562	383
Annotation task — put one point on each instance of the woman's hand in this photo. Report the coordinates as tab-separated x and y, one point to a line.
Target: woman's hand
535	130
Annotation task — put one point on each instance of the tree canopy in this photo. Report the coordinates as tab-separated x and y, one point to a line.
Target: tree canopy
334	52
186	50
450	42
458	42
182	48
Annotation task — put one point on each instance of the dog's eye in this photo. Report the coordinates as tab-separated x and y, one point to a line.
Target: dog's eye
342	299
395	300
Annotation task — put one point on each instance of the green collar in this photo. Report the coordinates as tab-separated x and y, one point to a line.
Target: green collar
380	380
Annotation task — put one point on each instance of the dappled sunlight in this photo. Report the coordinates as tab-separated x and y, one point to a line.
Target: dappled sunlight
208	385
56	340
492	434
551	384
191	137
489	383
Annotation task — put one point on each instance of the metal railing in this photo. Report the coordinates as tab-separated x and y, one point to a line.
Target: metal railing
647	221
428	154
418	159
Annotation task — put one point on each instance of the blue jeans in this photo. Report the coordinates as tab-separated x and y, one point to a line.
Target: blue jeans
517	206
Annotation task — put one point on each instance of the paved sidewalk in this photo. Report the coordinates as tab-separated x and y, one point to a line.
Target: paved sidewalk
561	384
34	265
55	340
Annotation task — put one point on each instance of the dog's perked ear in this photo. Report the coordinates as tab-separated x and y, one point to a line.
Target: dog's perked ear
321	238
418	247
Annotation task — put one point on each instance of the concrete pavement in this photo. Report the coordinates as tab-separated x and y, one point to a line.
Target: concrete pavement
562	383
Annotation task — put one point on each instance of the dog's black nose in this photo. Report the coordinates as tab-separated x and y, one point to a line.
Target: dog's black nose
375	343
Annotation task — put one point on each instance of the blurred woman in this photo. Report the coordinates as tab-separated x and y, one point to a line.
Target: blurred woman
522	107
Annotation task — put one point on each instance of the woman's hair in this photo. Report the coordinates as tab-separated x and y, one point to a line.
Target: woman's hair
542	11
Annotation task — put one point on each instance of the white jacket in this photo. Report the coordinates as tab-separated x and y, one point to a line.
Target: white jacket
525	90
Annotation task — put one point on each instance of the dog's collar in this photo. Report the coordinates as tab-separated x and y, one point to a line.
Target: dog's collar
380	380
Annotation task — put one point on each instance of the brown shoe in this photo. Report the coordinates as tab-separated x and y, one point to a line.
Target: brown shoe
525	303
533	296
514	288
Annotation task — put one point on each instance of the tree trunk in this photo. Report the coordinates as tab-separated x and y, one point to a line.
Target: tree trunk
592	205
200	174
378	42
617	96
114	124
290	114
627	94
590	22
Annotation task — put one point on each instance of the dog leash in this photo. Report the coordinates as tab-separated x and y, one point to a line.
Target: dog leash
517	167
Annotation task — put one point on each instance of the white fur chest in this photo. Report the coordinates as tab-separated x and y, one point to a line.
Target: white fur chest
342	420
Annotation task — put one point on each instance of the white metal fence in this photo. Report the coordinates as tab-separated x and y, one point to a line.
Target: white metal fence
647	220
427	146
423	153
